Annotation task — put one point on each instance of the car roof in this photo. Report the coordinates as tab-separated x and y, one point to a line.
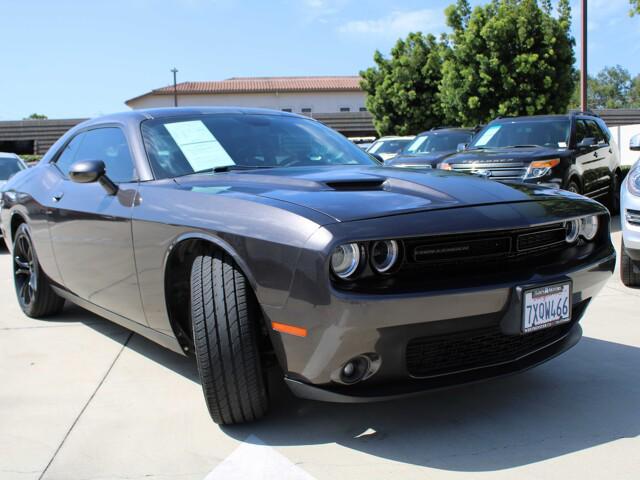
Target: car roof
137	116
534	117
438	131
9	155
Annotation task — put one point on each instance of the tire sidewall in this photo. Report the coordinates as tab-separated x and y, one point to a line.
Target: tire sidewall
23	231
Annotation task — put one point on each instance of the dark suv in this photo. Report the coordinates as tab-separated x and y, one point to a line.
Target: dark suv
430	148
574	151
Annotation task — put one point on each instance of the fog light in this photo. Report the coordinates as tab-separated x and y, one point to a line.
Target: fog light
355	369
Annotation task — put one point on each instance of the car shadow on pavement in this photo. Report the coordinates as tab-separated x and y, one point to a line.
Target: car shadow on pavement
587	397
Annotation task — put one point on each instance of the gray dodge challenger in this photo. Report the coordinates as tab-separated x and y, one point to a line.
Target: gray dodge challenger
251	238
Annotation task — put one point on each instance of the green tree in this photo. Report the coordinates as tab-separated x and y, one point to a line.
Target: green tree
635	6
36	116
402	91
612	87
509	57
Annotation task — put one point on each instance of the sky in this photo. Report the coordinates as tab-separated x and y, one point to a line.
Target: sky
83	58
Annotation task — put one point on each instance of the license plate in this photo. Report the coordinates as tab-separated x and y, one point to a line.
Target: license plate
546	306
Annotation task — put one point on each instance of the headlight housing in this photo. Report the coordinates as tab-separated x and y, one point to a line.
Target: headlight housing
345	260
585	227
633	180
540	168
589	227
384	255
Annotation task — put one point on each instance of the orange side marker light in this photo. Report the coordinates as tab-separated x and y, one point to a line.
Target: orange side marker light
290	329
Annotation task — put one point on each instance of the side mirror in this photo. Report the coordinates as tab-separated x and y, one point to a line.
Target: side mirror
587	142
634	143
462	147
91	171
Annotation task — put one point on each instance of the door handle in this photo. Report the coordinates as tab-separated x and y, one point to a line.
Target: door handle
57	196
595	154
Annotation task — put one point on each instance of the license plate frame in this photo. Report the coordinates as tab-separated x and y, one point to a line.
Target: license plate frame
559	293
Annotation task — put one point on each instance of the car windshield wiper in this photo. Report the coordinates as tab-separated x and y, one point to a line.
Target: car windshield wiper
522	146
225	168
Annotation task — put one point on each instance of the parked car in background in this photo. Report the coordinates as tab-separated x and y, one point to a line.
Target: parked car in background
264	237
10	164
575	152
388	147
630	221
430	148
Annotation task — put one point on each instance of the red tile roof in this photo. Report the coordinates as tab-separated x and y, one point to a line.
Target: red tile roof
263	85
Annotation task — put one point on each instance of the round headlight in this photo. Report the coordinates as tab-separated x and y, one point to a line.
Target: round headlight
589	227
573	230
384	255
345	260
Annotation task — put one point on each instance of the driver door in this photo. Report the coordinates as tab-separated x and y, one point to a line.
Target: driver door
91	230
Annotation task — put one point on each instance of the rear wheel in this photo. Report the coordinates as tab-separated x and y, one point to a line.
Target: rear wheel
35	295
629	269
225	324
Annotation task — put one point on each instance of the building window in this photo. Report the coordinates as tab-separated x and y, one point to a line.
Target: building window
305	110
363	109
345	109
287	110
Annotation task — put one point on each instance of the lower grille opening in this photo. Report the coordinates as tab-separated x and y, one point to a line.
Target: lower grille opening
471	349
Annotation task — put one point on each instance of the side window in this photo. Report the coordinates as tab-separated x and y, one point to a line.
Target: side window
596	132
68	155
582	131
109	145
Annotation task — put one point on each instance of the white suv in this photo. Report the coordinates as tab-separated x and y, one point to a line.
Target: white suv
630	220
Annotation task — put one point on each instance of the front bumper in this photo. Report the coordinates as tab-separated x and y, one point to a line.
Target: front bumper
349	325
630	231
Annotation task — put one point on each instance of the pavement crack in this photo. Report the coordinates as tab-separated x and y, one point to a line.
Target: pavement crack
66	435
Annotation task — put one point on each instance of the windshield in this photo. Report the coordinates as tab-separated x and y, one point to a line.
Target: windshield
9	166
438	142
509	133
218	141
389	146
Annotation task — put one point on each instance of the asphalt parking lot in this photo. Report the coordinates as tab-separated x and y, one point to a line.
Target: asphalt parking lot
81	398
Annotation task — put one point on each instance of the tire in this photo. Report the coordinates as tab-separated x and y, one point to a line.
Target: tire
613	200
628	274
225	326
33	288
573	186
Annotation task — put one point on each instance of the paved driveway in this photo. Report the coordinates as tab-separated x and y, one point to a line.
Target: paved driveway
81	398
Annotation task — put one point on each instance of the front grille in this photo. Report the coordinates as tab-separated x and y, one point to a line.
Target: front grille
472	349
632	216
485	246
493	170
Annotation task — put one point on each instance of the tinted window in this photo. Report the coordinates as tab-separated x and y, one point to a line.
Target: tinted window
582	131
508	133
110	146
9	166
595	132
440	142
389	146
66	159
182	147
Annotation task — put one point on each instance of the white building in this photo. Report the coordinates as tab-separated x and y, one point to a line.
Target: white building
306	95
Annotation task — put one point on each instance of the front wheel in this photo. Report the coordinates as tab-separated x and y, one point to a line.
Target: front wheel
629	270
225	333
33	288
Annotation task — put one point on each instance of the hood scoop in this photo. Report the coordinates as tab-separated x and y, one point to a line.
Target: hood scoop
356	184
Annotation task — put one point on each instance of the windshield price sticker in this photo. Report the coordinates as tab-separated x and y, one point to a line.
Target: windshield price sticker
199	146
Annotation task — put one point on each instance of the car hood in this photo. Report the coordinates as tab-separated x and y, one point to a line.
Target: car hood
418	159
507	155
348	193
